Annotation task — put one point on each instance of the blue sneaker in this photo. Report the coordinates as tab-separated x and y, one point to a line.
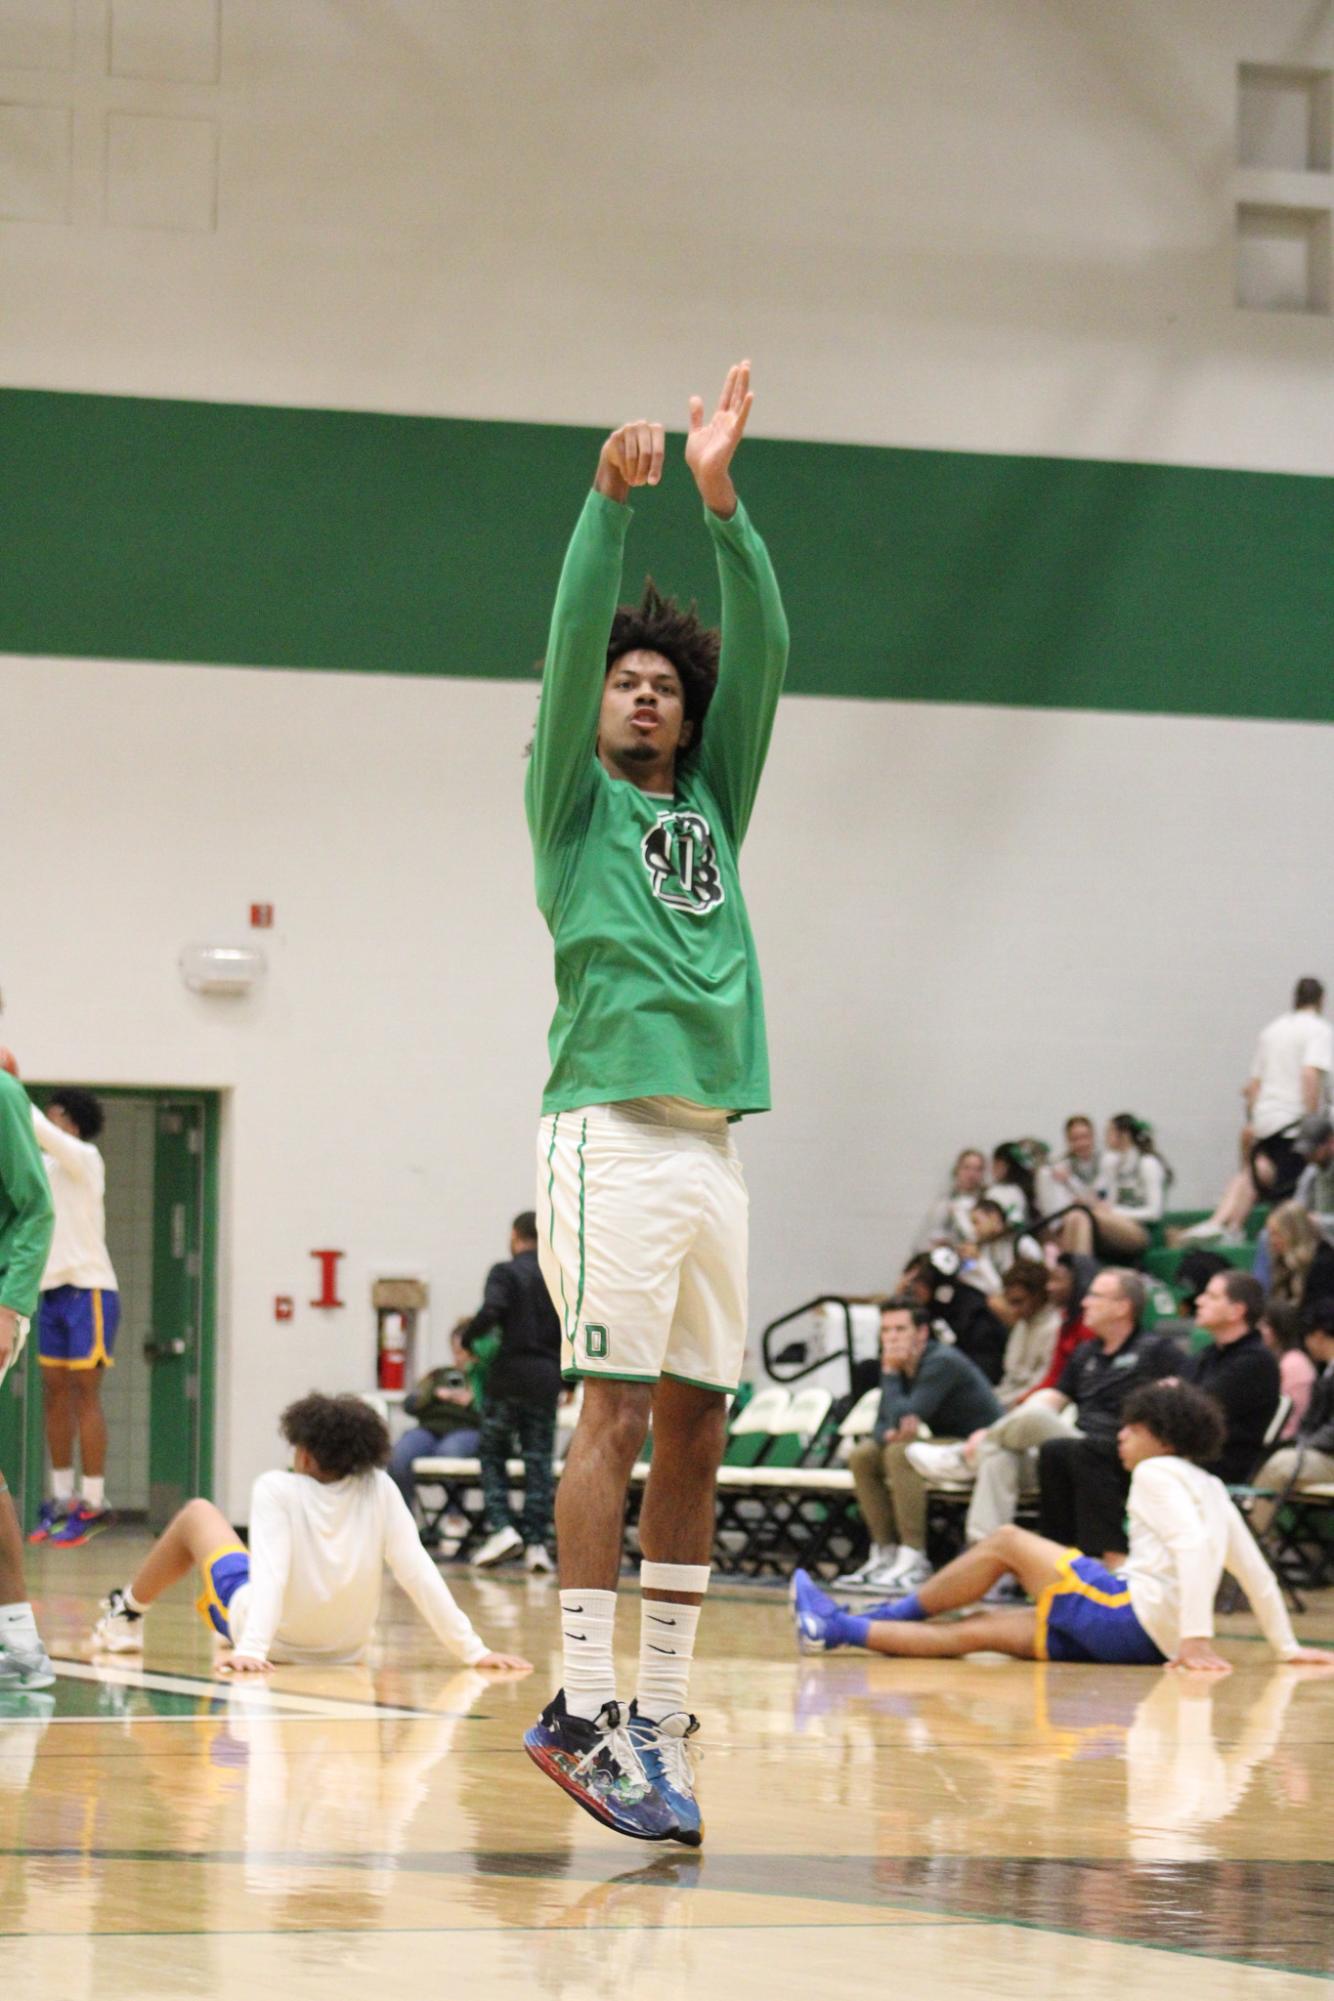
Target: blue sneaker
599	1766
49	1518
813	1610
665	1757
81	1524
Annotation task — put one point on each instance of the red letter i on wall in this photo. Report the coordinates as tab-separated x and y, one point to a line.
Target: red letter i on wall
328	1264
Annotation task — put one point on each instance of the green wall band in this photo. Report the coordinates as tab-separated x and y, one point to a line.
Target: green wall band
145	529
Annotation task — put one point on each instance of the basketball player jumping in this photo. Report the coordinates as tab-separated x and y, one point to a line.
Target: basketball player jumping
651	737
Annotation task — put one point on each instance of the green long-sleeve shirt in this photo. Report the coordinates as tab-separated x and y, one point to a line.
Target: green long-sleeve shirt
27	1216
657	980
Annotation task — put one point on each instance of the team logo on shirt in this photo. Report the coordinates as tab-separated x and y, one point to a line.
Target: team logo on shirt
682	862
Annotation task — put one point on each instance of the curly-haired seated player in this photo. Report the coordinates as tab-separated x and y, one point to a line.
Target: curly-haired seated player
308	1588
1184	1532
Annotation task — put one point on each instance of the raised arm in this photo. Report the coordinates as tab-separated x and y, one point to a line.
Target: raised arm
76	1156
560	771
755	638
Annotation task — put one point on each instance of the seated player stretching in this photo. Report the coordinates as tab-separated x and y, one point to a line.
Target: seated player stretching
308	1588
1184	1532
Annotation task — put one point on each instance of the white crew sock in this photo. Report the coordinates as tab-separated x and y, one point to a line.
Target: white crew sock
94	1490
131	1603
667	1636
586	1622
18	1628
62	1483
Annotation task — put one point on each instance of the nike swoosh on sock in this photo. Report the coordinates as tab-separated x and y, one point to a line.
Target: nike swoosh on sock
661	1650
576	1636
661	1622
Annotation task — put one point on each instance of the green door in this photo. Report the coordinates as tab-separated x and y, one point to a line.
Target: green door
174	1346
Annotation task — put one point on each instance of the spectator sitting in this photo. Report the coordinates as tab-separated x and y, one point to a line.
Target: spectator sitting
1194	1272
1236	1369
948	1220
1068	1281
1315	1188
1082	1484
1283	1334
1014	1182
958	1311
1311	1457
1034	1326
924	1383
1301	1261
1131	1188
993	1246
446	1404
1289	1082
1097	1378
1074	1172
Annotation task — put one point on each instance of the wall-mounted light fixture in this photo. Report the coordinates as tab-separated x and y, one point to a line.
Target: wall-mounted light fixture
229	970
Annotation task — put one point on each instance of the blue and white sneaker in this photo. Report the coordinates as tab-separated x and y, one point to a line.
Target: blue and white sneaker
813	1610
664	1753
599	1766
25	1668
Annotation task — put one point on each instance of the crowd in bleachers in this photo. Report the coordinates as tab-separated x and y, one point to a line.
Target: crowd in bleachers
1056	1284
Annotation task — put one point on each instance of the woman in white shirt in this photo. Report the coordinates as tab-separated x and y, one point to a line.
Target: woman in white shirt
1184	1533
1112	1224
308	1588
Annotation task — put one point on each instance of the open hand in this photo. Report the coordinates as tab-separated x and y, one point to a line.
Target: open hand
503	1664
1197	1656
712	442
1315	1657
242	1664
631	456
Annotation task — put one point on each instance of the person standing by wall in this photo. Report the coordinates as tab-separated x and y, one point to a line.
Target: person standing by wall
27	1220
78	1319
523	1387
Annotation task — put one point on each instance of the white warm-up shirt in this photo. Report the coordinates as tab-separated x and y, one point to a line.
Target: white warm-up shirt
78	1178
1297	1041
317	1556
1184	1533
1134	1183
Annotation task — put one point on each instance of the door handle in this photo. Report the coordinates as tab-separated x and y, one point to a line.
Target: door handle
161	1351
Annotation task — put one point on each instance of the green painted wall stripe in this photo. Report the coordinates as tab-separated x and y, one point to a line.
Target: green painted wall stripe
153	530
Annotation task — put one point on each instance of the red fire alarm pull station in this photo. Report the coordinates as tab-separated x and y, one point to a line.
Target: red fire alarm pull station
284	1306
328	1264
261	917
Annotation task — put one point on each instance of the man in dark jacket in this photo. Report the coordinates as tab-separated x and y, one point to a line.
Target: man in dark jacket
1236	1369
924	1382
1311	1457
522	1390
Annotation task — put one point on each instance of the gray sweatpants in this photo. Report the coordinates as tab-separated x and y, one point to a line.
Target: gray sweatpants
1008	1466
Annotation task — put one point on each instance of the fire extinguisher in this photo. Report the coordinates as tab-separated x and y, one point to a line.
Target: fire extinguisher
393	1356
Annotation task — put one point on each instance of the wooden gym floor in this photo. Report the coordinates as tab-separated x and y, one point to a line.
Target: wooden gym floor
981	1828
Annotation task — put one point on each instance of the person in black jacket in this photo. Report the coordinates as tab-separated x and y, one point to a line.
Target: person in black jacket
1311	1458
1236	1369
523	1388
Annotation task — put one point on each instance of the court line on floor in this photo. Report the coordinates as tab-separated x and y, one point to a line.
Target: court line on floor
259	1693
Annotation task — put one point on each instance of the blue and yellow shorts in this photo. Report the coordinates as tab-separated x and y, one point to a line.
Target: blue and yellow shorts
1086	1615
76	1327
225	1573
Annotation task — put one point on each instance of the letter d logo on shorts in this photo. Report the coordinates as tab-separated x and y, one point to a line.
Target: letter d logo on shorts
595	1341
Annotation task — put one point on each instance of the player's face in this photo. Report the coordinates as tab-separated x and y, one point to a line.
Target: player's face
970	1173
1135	1442
643	718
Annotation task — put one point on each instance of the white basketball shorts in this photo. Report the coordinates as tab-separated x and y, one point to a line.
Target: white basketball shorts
643	1227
